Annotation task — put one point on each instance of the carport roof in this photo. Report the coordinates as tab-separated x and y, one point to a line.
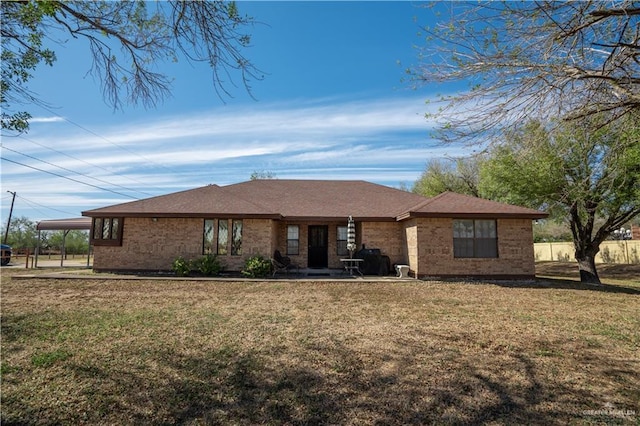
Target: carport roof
81	223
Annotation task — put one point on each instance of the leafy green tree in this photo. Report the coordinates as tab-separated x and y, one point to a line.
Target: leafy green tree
22	233
590	177
531	60
262	174
75	241
459	175
127	40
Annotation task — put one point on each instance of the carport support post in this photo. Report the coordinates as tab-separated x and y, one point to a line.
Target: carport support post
62	249
37	250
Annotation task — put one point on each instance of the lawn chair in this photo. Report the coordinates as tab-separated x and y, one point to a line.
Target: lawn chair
281	263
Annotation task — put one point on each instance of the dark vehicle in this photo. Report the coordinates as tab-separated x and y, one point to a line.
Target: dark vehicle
6	254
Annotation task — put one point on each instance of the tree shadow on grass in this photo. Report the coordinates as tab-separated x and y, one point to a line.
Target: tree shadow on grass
245	387
565	284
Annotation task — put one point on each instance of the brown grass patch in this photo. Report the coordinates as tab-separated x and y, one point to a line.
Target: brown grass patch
610	273
276	352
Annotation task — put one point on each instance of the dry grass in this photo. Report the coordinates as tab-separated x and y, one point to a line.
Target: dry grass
275	352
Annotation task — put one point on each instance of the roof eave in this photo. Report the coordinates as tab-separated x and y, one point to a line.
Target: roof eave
411	215
341	218
183	215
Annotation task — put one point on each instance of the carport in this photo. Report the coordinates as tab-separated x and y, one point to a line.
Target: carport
65	225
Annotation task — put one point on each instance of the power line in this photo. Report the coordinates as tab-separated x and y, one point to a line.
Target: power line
107	140
67	170
32	203
68	178
89	164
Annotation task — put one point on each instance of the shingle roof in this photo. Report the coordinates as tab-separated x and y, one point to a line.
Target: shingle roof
308	199
451	204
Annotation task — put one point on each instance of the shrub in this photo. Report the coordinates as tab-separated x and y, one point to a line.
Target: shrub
181	267
256	267
208	265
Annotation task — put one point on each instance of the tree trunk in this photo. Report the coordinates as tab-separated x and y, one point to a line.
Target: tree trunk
587	267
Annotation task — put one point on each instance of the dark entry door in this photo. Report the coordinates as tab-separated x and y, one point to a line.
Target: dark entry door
318	246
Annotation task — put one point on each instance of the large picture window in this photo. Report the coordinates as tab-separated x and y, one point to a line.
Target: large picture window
293	239
219	238
475	238
106	231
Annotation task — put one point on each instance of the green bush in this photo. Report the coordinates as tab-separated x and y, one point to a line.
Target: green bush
181	267
256	267
208	265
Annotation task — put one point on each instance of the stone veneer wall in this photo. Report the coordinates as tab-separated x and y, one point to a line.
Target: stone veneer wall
434	255
154	245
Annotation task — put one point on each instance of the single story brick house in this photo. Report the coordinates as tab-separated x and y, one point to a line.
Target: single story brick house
306	220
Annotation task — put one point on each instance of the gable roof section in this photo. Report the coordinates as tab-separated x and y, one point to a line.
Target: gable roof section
274	198
328	199
311	199
211	200
451	204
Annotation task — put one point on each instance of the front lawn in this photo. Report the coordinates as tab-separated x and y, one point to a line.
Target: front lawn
277	352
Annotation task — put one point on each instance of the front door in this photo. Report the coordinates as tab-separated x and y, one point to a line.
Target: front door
318	246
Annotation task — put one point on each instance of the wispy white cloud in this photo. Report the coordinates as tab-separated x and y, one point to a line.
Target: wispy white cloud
52	119
382	140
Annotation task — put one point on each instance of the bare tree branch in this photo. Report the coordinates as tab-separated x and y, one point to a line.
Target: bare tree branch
526	61
127	41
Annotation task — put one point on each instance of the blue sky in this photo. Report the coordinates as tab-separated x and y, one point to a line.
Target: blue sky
332	105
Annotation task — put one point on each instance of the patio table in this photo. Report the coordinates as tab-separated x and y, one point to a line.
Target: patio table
351	265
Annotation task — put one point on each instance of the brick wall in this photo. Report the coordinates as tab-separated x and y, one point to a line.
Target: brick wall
411	237
301	259
388	237
426	244
434	255
154	245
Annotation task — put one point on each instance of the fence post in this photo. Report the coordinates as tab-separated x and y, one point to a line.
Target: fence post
626	252
26	266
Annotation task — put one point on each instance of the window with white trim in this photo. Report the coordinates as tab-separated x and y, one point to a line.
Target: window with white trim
293	239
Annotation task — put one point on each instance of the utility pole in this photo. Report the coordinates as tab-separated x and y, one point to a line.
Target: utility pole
6	231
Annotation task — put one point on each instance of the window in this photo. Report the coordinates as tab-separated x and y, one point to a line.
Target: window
106	231
208	241
293	239
226	240
475	238
342	241
223	236
236	237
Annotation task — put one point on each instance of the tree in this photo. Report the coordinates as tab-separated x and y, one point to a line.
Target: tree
127	40
590	177
75	241
262	174
459	175
532	60
22	233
